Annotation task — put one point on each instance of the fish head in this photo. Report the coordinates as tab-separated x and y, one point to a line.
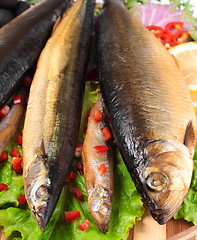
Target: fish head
166	179
39	191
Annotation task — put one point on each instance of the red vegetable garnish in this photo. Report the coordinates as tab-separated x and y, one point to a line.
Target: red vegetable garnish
78	194
27	81
17	99
4	157
173	27
106	133
101	149
102	169
72	215
84	225
78	150
4	111
21	199
97	115
17	164
19	140
3	186
180	37
15	153
79	166
71	176
155	29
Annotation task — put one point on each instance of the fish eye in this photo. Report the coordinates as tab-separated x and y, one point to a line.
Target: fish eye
42	192
104	209
156	181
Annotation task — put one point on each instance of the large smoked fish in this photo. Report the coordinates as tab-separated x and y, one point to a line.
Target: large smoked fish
151	112
54	110
22	40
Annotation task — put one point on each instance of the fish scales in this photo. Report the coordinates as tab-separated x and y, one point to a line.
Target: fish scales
56	94
152	116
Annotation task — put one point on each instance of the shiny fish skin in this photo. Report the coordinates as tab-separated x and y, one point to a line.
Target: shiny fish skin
54	110
152	116
99	188
22	40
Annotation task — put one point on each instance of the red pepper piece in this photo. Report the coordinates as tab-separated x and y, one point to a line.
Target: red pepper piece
106	133
102	169
173	27
84	225
17	164
27	81
17	99
78	194
155	29
21	199
19	140
4	157
101	149
3	186
72	215
78	150
15	153
71	176
79	166
97	115
180	37
4	111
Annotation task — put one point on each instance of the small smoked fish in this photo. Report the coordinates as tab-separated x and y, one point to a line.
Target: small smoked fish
54	110
9	124
99	186
22	40
152	116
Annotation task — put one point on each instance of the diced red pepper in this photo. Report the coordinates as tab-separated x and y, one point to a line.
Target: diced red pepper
71	176
17	99
15	153
79	166
106	133
4	157
101	149
180	37
78	194
4	111
27	81
102	169
19	140
17	164
21	199
3	186
155	29
72	215
91	75
97	115
173	27
84	225
78	150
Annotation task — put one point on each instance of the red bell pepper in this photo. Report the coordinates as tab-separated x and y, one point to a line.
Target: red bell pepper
71	176
17	164
3	186
101	149
21	199
4	157
17	99
4	111
72	215
78	194
15	153
106	133
19	140
102	169
97	115
79	166
84	225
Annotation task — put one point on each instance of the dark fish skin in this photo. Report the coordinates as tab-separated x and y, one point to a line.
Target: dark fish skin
54	110
22	40
99	187
151	113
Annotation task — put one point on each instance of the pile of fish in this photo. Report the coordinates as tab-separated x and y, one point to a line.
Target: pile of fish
143	97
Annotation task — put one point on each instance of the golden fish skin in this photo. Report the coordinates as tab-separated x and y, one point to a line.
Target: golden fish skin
54	110
99	187
152	116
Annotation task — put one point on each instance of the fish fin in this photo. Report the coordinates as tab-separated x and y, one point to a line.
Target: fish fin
56	24
190	138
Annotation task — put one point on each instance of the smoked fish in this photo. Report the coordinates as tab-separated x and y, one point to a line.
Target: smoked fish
54	110
22	40
99	184
152	117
